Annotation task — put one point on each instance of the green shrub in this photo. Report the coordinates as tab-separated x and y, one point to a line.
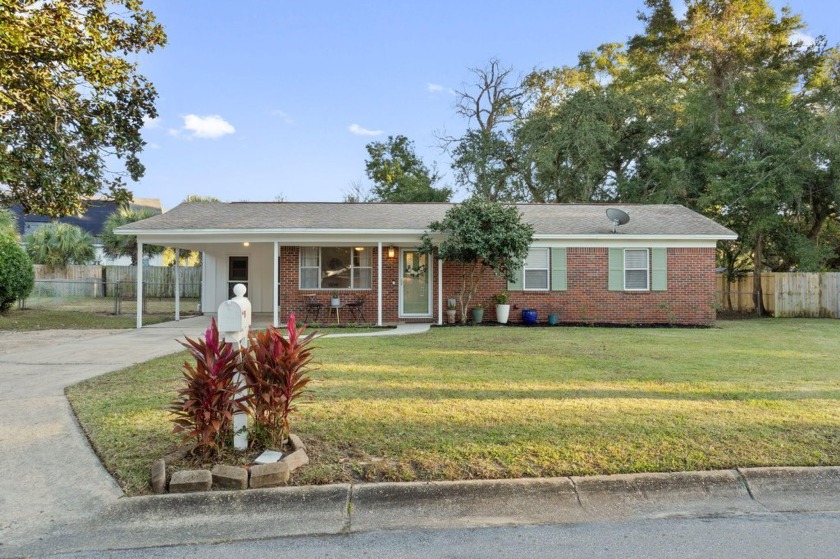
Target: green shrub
17	278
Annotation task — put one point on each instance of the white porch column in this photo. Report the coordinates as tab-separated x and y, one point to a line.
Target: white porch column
177	284
276	285
440	292
139	284
379	284
202	296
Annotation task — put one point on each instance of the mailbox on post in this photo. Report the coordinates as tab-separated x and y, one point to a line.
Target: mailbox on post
235	315
234	321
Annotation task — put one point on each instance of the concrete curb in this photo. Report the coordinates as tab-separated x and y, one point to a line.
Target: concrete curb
386	506
793	489
336	509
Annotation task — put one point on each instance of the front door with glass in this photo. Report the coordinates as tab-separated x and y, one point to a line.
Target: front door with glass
415	292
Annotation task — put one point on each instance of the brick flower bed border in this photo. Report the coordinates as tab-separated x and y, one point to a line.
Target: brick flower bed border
227	477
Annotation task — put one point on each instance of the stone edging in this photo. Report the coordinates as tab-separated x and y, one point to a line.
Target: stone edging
227	477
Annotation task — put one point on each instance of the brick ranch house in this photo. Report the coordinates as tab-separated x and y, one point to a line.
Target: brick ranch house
658	268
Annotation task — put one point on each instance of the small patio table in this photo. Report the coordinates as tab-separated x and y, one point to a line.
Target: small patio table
337	309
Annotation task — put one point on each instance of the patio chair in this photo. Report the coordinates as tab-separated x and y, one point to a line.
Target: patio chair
356	309
311	304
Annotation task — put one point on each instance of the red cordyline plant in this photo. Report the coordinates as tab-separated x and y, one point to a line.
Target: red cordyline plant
205	406
277	372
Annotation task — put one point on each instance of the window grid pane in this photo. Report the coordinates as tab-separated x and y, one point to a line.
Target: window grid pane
636	259
335	268
636	269
535	270
536	279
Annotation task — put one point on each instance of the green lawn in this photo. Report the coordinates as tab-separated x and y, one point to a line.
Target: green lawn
42	313
483	402
44	319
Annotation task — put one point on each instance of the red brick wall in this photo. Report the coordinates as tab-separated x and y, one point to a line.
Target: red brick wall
292	297
687	301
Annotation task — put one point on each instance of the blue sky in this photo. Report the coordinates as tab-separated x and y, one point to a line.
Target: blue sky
267	98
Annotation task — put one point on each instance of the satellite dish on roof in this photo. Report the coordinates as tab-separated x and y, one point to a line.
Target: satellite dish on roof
618	217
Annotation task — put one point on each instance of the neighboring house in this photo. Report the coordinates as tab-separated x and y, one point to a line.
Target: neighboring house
92	221
659	268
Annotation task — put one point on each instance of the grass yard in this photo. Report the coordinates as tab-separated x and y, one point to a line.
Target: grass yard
484	402
84	313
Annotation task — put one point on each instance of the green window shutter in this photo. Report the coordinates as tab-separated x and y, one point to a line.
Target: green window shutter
616	281
659	269
516	285
558	269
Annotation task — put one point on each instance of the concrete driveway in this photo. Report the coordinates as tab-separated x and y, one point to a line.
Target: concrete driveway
49	474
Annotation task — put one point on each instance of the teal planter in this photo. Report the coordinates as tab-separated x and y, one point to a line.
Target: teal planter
552	319
478	315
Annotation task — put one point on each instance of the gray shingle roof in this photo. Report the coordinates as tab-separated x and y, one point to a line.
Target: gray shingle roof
547	219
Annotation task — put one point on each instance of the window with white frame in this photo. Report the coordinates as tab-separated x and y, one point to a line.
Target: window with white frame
335	268
535	270
636	269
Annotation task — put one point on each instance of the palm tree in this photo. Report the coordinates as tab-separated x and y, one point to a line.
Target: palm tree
8	223
125	245
59	244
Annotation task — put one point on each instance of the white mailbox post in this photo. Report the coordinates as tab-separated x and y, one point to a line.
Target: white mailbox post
234	322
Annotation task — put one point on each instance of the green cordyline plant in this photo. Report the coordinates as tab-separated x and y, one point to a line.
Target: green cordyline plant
205	406
276	370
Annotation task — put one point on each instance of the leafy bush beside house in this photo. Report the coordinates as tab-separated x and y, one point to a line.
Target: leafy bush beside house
17	278
481	235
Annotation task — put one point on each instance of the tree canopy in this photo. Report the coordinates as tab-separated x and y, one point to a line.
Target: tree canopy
724	109
399	175
8	223
480	235
115	245
58	245
72	102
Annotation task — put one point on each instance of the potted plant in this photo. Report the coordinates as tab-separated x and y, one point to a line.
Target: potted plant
553	318
502	308
335	300
529	316
450	312
478	313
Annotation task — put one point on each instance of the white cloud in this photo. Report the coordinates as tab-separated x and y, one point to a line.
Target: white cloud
359	131
152	145
806	40
210	126
435	88
151	123
282	115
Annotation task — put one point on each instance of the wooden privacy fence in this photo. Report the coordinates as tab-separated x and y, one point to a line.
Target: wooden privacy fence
103	281
786	294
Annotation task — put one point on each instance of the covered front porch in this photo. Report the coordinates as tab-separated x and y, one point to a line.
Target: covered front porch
396	283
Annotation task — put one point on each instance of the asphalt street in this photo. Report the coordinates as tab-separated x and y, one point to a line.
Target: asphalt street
800	535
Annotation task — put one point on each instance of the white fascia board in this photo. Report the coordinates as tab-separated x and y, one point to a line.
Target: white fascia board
287	237
652	241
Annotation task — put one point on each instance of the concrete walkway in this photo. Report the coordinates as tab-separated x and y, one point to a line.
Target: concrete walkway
55	496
